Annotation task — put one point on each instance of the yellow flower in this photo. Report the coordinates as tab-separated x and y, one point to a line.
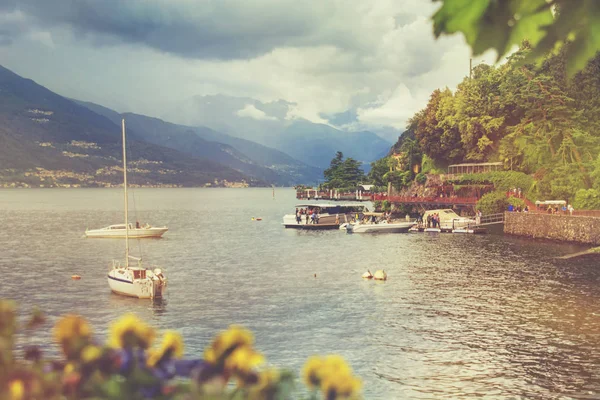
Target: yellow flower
69	368
333	375
7	317
226	342
266	386
130	331
340	386
172	342
311	371
243	360
73	333
334	364
91	353
16	390
71	326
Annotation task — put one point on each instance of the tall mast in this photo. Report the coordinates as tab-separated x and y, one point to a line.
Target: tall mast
126	199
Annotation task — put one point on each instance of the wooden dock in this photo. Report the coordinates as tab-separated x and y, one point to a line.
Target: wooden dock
472	230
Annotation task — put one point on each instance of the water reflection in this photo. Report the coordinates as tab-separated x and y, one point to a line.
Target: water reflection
459	316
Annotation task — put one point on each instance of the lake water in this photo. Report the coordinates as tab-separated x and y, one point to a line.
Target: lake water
461	316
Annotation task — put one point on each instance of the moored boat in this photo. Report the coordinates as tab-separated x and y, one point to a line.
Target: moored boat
118	231
326	215
381	227
134	280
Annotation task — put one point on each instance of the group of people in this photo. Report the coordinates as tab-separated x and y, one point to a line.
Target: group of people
311	216
433	220
518	208
565	209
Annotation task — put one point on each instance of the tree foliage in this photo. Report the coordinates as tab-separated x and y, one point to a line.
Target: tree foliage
502	180
547	25
492	203
532	119
343	174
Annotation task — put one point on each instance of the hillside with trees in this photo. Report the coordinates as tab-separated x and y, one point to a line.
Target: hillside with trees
535	120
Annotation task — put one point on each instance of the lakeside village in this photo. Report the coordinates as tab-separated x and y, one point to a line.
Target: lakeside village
453	189
410	194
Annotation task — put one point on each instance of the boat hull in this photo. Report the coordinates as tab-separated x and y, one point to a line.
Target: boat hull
120	234
310	227
379	228
138	288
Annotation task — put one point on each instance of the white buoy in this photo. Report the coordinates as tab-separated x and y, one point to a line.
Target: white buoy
367	275
380	275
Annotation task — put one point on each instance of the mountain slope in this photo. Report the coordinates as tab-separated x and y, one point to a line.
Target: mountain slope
46	139
251	158
270	124
317	143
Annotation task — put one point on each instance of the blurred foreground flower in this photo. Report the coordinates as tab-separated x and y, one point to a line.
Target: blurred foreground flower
333	376
72	333
131	332
128	368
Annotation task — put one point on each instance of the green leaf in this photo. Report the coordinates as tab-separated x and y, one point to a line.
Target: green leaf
531	20
587	40
460	16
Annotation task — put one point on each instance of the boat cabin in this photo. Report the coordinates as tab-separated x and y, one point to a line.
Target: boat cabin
119	227
447	217
332	209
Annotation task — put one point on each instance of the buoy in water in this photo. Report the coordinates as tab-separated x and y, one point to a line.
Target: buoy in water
368	274
75	277
380	275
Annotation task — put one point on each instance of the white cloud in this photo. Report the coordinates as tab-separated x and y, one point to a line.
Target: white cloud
391	109
43	37
251	111
377	57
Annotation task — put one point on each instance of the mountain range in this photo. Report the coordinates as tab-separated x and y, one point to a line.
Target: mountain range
50	140
271	124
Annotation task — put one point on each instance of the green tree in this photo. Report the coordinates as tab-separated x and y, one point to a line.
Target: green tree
334	165
343	174
587	199
376	175
493	203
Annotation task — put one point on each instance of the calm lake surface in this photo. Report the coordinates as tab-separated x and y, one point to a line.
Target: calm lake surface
461	316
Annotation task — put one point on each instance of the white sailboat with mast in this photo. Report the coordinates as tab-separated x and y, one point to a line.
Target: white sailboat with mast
134	280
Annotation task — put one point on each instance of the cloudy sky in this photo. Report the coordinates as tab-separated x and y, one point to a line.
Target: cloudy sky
353	64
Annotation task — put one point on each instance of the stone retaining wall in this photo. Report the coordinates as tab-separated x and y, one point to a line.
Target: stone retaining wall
559	227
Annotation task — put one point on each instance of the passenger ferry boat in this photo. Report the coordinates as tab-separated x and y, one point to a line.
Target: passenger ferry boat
331	215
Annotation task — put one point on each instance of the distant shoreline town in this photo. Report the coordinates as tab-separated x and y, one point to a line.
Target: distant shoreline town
43	178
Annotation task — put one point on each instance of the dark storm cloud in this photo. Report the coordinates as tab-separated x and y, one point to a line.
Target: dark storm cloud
203	29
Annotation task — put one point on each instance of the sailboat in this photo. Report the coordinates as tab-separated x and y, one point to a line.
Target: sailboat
134	280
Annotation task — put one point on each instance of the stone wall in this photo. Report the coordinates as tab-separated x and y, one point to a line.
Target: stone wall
559	227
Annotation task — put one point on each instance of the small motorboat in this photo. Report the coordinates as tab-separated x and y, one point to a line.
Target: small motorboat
381	227
367	275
